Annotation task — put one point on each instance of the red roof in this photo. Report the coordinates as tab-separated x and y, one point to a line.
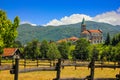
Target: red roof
9	51
94	31
62	40
85	32
68	39
73	38
91	31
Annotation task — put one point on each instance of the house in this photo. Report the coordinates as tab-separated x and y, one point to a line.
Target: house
93	36
10	52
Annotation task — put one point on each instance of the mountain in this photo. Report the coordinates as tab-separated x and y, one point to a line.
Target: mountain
27	32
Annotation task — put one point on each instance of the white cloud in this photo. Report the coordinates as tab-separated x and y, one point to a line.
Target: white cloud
75	18
54	22
112	17
108	17
27	22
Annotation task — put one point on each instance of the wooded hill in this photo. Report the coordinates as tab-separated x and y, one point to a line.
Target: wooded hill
27	32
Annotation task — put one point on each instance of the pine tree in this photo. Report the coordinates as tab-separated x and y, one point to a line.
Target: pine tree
107	41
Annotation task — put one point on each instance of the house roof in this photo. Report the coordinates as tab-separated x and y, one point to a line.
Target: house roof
62	40
91	31
68	39
9	51
73	38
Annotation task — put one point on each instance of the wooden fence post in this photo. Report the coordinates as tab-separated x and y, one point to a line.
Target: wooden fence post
0	60
50	63
102	65
118	76
58	66
25	63
37	62
75	62
114	65
16	67
92	67
13	61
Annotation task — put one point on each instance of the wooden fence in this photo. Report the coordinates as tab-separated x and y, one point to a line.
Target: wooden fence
50	67
38	63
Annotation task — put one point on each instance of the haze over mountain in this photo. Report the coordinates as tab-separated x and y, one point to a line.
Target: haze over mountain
27	32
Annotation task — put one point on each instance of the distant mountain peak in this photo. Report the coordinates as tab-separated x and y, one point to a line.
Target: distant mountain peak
27	32
28	23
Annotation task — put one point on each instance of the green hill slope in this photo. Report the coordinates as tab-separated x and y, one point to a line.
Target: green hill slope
28	32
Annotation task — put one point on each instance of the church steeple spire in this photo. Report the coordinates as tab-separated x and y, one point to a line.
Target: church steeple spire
83	21
83	25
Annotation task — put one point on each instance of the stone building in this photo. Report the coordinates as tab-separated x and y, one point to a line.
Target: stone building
94	36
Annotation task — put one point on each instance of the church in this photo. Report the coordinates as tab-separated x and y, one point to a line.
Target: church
93	36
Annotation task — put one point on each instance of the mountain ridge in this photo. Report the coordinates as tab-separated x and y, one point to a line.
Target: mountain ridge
27	32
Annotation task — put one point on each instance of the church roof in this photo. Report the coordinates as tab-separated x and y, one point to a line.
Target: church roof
85	32
91	31
94	31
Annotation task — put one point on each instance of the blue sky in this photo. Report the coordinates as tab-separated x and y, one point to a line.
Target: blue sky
43	12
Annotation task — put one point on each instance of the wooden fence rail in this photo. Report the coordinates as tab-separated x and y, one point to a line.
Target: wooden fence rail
15	69
5	67
37	69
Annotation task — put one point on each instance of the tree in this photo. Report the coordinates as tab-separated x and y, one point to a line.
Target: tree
63	47
106	53
113	53
44	48
81	49
115	40
107	41
117	57
93	52
53	52
17	44
32	50
8	30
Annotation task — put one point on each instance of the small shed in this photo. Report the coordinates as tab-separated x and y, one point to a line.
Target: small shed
10	52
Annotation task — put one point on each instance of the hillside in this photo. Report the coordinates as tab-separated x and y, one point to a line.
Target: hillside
28	32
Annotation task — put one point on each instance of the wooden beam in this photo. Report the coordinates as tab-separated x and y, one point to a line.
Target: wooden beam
5	67
37	69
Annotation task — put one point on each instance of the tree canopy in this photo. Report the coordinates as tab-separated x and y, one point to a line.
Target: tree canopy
63	47
81	49
44	48
8	30
53	52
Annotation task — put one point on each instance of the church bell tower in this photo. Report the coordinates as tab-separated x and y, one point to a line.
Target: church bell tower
83	25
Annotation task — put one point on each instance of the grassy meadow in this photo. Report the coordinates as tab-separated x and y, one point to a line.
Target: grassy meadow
80	72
